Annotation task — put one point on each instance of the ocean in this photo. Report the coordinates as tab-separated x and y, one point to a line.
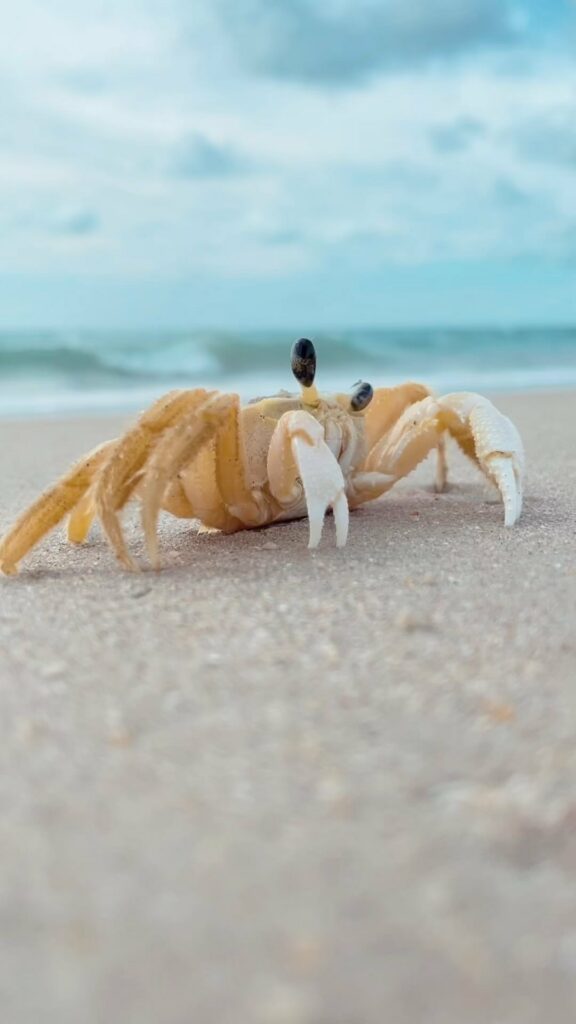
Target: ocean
51	373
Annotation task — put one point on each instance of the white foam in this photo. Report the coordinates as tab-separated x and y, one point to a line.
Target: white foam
26	403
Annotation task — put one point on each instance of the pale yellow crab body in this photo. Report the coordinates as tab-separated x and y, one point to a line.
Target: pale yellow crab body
343	434
202	455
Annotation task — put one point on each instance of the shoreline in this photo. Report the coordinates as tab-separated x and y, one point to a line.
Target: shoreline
285	782
133	402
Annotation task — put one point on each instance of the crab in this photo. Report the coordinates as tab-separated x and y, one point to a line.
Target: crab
203	455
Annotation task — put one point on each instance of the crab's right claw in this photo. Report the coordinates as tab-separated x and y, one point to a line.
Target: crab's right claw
312	463
323	486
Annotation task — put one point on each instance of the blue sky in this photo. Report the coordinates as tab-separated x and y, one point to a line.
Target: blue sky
287	162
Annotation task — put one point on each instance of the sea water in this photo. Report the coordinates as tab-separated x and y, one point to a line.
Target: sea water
77	372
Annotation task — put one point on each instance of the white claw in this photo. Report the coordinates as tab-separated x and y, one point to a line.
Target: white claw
341	519
501	455
497	444
501	469
323	484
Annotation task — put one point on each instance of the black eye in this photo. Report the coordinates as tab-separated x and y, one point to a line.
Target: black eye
303	358
361	397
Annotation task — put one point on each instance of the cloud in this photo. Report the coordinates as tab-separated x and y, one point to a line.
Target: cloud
77	221
282	236
566	244
198	157
86	81
456	136
121	155
509	194
306	40
549	138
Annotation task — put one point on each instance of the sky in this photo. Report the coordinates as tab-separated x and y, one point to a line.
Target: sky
254	163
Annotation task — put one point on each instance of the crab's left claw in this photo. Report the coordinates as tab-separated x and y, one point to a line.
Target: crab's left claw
491	440
299	458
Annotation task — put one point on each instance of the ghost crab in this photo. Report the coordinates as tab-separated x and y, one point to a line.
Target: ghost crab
202	455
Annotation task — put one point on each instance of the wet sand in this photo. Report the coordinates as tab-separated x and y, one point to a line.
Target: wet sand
269	786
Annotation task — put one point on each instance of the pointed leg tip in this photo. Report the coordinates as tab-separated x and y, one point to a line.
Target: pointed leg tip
152	551
154	560
441	480
7	568
149	524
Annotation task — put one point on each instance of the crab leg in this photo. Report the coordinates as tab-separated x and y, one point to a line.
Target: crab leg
488	437
441	477
492	441
384	411
123	471
177	447
299	458
414	434
81	517
387	406
50	508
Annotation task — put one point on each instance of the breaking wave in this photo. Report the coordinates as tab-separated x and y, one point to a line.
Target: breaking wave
56	371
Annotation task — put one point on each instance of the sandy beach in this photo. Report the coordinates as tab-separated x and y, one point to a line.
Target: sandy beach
269	786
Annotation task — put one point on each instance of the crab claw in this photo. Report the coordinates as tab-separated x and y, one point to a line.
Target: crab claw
314	465
323	487
493	441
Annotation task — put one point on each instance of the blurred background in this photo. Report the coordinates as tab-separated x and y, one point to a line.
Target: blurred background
187	187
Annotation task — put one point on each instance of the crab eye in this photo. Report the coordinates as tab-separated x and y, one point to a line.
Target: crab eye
303	359
361	396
